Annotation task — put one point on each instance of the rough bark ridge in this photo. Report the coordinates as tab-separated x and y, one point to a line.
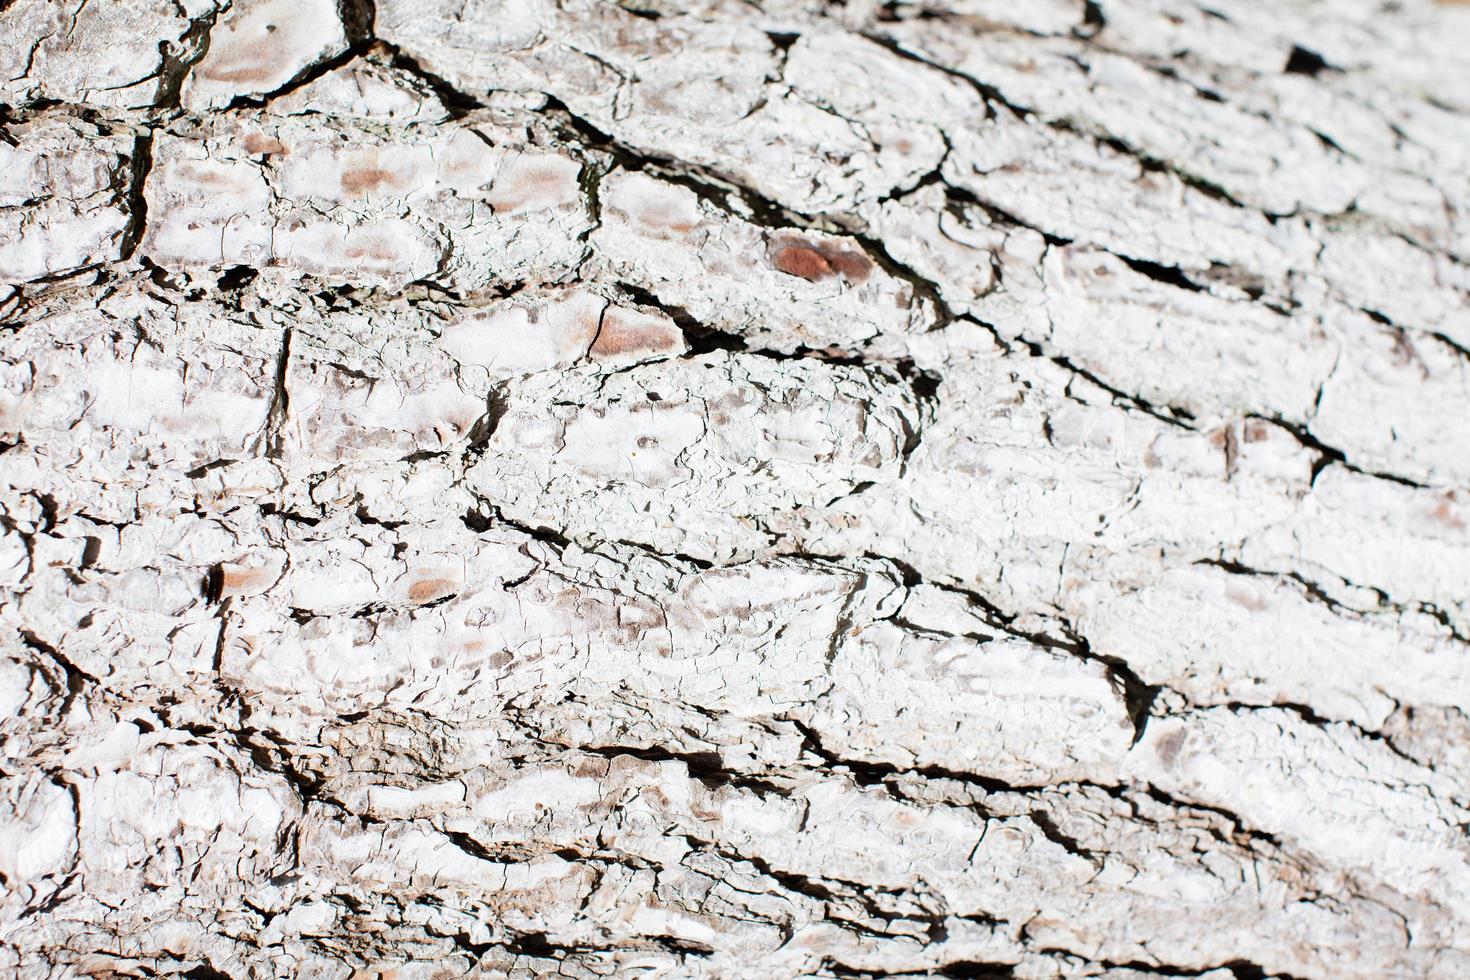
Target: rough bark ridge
969	488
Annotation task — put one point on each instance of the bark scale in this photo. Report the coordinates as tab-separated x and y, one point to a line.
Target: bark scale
730	489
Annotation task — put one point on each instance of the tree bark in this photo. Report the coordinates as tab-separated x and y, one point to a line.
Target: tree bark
732	489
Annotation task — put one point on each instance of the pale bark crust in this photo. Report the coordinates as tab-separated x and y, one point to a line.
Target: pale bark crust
735	489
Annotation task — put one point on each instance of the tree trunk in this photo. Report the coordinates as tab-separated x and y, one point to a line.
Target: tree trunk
733	489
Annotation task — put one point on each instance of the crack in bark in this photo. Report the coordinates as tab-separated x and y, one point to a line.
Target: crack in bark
319	765
1317	593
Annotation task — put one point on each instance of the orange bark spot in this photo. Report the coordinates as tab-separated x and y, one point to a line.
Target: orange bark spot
1256	431
629	332
232	579
1446	516
250	63
263	144
815	261
365	180
797	260
430	589
532	185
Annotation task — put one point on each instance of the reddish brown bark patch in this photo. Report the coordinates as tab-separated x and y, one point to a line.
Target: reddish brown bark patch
815	261
365	180
247	62
628	333
1446	515
532	183
235	579
1256	431
259	143
430	589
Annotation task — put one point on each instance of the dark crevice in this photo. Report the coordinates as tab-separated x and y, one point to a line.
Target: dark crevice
883	776
837	895
1169	414
1169	275
707	340
1316	593
817	889
76	679
193	46
1328	142
880	775
1304	61
1377	316
1093	19
139	167
300	81
457	102
280	400
1239	969
274	757
1310	589
992	97
1138	696
463	943
359	18
1309	714
1460	349
975	970
541	946
642	12
706	767
1001	216
364	517
924	385
480	523
782	40
1241	833
663	556
271	510
1171	73
965	969
701	338
236	278
730	195
1051	832
1152	164
479	435
473	847
989	94
1328	455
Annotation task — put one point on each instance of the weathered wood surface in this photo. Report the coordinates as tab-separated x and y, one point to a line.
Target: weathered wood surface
735	489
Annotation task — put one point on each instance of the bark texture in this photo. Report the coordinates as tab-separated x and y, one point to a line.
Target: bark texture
732	489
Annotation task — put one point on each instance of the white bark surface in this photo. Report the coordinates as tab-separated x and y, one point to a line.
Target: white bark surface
733	489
